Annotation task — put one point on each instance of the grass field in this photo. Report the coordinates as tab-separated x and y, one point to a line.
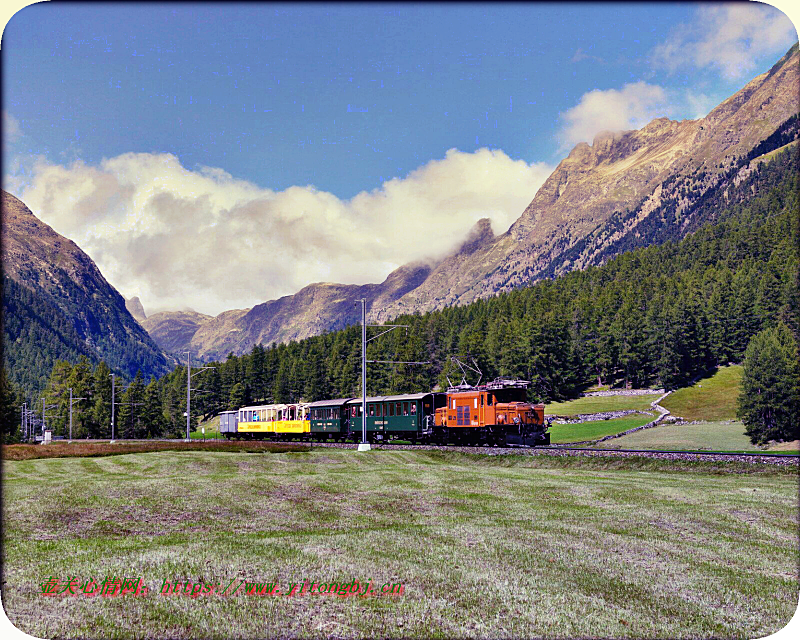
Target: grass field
703	436
485	546
712	399
598	404
582	431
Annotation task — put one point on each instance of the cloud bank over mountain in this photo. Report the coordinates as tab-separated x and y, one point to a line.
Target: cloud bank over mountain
202	238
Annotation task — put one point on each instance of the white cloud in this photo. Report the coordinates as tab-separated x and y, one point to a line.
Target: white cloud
729	37
11	128
206	240
631	107
698	105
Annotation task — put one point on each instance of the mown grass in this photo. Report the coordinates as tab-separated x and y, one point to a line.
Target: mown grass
704	436
599	404
486	546
712	399
583	431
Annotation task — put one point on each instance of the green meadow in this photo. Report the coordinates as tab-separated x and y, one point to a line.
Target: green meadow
583	431
484	546
599	404
711	399
702	436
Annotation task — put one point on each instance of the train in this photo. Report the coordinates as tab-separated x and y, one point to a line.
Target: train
494	413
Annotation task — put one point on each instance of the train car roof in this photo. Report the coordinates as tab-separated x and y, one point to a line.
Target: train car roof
409	396
327	403
264	406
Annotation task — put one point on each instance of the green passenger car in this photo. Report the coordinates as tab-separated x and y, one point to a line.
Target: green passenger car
329	417
406	417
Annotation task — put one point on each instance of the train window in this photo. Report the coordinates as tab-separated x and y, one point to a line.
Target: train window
405	408
372	409
481	400
397	409
413	408
391	408
454	404
335	413
489	399
379	410
476	403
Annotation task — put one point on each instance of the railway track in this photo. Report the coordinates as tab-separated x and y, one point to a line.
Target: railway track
753	458
789	459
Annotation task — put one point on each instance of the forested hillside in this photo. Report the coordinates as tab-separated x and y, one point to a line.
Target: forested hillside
57	304
659	315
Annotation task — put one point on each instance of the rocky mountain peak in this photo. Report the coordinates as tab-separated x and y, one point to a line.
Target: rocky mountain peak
134	305
480	236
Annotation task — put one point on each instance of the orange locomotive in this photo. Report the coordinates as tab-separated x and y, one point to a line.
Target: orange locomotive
492	413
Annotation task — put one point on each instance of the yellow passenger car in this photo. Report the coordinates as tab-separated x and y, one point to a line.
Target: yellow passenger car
273	420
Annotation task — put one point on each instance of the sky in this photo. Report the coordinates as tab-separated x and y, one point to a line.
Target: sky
217	156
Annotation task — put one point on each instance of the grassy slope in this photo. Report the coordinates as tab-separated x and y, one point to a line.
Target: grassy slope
212	429
598	404
582	431
486	546
711	399
704	436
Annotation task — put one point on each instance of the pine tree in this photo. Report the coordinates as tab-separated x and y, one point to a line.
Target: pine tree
82	384
152	416
10	410
129	421
769	402
101	403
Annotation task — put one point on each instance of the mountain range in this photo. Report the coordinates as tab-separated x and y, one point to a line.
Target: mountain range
626	189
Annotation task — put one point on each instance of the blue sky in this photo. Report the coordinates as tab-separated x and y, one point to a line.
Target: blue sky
215	107
341	97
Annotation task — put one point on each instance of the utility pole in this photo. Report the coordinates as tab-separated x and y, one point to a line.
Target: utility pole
189	391
112	407
364	446
44	412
